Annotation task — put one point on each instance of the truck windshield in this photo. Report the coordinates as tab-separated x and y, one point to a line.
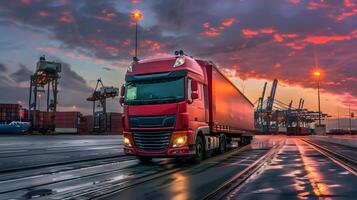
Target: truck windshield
154	91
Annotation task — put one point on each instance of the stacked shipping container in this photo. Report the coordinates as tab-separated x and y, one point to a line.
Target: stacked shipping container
9	113
111	123
86	124
297	131
67	122
115	120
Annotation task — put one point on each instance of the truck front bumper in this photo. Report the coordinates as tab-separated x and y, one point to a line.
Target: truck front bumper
184	151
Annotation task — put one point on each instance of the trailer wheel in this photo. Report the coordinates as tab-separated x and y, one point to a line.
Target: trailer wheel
200	150
144	159
222	144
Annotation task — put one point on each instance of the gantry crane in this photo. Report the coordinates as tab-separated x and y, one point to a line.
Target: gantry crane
46	74
99	99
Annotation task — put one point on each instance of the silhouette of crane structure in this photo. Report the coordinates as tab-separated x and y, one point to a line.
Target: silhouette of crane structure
46	75
272	115
99	99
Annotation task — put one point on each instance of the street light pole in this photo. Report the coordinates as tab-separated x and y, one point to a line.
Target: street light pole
136	15
136	39
317	74
318	94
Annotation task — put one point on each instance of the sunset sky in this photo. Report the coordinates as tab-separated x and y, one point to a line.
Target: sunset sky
252	41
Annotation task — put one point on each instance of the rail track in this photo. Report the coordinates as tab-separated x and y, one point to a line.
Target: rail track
239	179
343	160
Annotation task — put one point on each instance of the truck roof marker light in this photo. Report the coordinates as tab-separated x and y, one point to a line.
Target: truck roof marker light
179	61
130	68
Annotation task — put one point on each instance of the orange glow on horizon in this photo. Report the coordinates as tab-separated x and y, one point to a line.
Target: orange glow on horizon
136	15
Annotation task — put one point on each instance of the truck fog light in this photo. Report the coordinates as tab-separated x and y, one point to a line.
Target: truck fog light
127	142
180	141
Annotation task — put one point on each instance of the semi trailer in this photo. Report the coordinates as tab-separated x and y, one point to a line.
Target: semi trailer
178	106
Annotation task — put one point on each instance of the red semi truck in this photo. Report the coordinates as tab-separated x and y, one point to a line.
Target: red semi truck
178	106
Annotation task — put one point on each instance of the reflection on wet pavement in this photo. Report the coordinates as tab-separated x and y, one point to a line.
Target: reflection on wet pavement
300	172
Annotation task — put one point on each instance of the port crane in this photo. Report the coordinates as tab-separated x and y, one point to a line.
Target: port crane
99	98
47	75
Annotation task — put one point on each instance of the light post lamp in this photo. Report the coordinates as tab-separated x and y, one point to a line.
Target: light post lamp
318	74
136	15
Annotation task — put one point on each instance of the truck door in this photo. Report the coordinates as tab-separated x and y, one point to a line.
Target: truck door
197	107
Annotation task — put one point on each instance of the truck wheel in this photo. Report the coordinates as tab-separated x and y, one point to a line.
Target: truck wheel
144	159
200	150
222	144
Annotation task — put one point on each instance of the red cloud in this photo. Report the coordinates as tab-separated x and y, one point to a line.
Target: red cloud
25	2
326	39
212	31
106	16
349	3
228	22
278	38
151	45
294	1
295	45
343	15
206	25
42	13
267	30
249	33
66	17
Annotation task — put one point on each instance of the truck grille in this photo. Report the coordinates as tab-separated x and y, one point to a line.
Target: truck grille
152	140
152	121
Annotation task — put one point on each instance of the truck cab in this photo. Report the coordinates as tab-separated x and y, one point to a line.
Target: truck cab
166	109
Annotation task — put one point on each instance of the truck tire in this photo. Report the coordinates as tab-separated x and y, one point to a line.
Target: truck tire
199	149
222	144
144	159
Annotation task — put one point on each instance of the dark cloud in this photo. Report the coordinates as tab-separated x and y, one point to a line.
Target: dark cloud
21	75
70	80
3	68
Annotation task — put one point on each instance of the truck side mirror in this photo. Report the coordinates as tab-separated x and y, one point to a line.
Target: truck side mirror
194	86
122	91
194	95
121	100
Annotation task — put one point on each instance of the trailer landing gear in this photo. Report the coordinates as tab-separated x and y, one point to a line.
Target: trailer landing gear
222	144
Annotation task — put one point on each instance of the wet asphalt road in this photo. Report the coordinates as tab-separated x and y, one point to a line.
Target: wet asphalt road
297	172
19	152
300	172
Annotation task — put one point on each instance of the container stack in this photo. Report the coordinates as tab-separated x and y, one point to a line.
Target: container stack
115	120
9	113
86	124
67	122
297	131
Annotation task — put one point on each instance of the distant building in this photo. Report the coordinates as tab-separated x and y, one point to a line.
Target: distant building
342	123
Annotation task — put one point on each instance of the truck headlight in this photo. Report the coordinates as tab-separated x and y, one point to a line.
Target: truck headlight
179	61
127	142
180	141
